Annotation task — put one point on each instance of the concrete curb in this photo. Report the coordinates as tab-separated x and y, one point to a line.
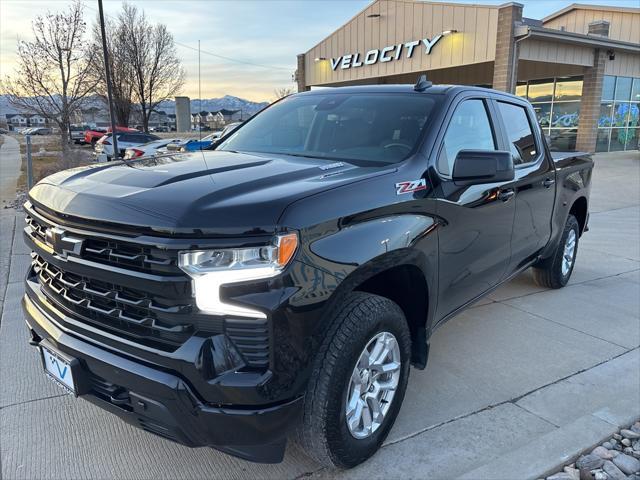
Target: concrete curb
548	453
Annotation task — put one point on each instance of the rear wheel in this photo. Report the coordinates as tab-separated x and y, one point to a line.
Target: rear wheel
555	271
358	382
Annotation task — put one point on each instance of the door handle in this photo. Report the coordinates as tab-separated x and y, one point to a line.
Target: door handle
505	195
548	182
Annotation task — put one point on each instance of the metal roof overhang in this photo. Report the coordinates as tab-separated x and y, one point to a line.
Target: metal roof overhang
541	33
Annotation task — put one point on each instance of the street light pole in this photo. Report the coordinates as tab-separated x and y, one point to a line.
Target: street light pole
107	74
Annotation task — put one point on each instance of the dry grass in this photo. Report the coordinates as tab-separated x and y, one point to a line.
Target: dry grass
46	155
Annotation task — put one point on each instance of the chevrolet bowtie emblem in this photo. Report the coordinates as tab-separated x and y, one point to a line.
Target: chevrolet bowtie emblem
62	243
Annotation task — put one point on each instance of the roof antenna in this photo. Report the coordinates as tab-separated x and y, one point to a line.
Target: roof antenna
422	84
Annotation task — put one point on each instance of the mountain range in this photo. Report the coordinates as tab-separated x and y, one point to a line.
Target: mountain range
228	102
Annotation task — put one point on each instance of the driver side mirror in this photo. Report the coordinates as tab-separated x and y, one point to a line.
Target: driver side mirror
482	166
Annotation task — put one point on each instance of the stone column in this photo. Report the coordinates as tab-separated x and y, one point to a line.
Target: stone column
183	114
505	65
590	104
300	73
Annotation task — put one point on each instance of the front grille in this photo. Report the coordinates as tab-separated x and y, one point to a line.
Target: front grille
115	252
115	308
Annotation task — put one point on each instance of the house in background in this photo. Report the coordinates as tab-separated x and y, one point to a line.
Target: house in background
24	120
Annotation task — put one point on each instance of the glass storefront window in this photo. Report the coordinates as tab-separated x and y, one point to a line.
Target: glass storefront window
635	90
620	114
605	114
634	115
565	114
556	102
608	87
602	142
618	139
623	89
632	139
568	89
540	92
543	114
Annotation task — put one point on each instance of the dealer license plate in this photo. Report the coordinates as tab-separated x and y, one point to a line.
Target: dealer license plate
58	369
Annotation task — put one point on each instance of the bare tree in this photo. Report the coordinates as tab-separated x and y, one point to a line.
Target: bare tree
52	77
282	92
120	68
157	72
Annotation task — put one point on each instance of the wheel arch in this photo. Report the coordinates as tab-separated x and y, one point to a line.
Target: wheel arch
407	286
579	209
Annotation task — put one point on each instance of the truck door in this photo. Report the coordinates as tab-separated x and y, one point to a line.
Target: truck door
534	182
474	242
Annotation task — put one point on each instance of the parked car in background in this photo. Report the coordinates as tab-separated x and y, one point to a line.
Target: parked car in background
155	147
77	133
39	131
159	128
194	144
230	128
3	131
92	136
104	146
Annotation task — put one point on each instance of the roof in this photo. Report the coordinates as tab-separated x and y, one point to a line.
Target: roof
23	115
581	6
564	36
390	88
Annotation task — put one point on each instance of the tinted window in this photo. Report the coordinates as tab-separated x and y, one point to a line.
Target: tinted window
363	128
520	133
469	129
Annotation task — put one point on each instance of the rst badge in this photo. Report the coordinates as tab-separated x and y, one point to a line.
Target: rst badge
411	186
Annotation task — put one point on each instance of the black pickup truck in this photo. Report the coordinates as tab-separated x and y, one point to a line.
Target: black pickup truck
281	284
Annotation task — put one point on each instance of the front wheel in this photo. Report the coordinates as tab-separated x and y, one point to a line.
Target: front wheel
358	382
555	271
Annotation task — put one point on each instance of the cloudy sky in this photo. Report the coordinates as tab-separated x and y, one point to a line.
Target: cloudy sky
266	34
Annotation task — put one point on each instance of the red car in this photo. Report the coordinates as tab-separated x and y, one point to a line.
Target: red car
92	136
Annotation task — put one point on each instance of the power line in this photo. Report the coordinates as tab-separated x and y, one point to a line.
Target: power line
222	57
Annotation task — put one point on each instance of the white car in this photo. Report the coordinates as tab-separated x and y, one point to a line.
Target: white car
104	146
155	147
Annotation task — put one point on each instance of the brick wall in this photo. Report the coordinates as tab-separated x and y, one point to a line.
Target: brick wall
590	104
505	65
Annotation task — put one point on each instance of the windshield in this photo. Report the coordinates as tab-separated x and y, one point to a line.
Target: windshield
381	128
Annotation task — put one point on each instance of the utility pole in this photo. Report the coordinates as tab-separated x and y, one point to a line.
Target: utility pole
107	73
199	95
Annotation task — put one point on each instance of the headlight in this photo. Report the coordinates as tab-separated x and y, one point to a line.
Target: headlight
211	269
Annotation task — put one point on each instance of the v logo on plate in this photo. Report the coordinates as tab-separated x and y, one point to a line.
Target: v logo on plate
64	370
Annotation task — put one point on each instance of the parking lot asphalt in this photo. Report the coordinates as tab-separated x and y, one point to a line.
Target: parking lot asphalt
516	385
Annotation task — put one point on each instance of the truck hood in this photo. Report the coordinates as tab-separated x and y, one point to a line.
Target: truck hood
204	193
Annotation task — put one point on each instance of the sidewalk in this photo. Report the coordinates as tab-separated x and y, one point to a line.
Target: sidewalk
10	163
516	385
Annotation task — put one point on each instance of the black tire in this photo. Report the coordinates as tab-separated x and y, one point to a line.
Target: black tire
323	432
548	273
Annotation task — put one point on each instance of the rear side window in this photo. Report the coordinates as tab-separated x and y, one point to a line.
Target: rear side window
469	129
522	141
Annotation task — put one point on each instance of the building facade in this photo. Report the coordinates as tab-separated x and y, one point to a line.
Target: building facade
579	67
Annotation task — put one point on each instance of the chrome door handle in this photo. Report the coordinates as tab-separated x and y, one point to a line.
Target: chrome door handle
505	195
548	182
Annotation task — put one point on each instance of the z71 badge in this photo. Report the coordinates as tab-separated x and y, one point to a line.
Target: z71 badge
411	186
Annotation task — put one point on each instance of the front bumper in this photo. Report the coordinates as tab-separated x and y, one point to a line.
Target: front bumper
162	402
